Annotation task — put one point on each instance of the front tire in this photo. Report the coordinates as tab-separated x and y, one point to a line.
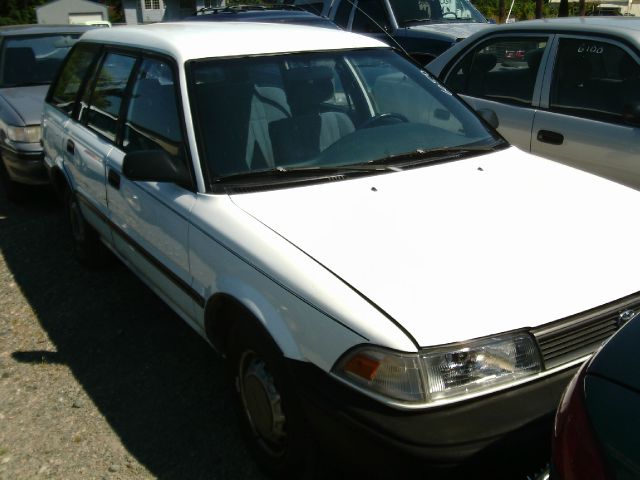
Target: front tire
271	419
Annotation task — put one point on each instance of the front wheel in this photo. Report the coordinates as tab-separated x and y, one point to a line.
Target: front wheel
271	419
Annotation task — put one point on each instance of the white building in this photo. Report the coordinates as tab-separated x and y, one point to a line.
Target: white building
147	11
71	11
135	11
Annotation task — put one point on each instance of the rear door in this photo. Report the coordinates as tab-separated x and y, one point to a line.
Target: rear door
62	101
504	73
593	86
88	141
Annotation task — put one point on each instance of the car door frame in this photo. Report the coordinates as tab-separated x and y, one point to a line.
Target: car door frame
497	106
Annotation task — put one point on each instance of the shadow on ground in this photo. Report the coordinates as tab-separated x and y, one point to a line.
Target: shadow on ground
160	386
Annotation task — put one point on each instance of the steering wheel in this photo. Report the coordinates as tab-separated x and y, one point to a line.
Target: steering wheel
449	15
388	118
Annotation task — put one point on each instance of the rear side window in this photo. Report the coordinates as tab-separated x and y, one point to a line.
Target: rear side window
594	79
153	121
103	111
501	69
65	91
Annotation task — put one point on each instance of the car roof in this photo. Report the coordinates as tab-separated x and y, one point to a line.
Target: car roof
42	29
193	40
618	26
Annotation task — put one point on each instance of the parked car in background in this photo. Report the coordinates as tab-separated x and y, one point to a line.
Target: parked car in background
422	28
262	13
567	89
597	423
383	272
30	56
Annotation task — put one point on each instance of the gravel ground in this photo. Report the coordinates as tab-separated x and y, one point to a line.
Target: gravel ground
98	378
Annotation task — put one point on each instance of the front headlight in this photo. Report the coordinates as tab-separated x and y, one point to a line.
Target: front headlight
441	373
28	134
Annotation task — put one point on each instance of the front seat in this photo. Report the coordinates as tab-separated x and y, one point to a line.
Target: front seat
311	127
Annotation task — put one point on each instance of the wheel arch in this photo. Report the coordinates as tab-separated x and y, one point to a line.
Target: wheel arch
223	310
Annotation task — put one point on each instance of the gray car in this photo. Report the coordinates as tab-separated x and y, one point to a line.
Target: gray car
30	56
566	89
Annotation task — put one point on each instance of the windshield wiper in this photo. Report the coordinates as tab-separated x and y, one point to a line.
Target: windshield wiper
284	173
435	154
415	20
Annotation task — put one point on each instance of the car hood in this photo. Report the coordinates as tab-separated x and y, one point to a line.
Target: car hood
467	248
27	102
451	30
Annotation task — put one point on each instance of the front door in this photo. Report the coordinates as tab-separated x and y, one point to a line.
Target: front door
151	219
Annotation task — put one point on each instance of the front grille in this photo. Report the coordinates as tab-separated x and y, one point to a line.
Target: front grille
579	335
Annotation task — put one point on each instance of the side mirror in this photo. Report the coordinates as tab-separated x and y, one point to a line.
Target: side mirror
631	114
489	116
155	166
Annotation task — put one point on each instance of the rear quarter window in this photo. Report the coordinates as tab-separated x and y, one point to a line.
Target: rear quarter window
64	93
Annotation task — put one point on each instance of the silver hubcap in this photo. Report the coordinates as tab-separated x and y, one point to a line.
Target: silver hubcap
262	403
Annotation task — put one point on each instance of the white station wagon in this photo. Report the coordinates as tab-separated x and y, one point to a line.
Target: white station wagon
383	272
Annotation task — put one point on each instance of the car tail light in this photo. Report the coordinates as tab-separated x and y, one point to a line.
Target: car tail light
576	454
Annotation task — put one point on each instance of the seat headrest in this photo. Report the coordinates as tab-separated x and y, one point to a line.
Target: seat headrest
533	58
484	62
308	87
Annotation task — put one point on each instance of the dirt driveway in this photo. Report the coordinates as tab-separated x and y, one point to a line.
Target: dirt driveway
98	378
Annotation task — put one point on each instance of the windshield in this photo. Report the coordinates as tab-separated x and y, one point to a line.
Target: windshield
408	12
33	60
326	109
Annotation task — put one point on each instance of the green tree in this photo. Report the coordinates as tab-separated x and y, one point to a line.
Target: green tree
16	12
522	9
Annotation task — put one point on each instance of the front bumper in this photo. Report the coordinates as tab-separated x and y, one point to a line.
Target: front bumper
447	438
25	167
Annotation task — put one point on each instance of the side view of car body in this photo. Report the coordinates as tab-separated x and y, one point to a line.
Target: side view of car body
565	89
383	272
423	29
596	426
29	60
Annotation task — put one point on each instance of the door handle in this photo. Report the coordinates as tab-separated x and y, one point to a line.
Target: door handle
113	178
553	138
71	147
